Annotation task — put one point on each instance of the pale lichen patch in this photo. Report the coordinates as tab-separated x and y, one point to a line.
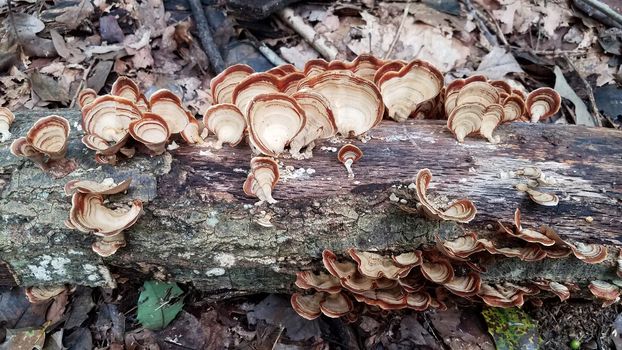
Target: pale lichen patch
216	271
225	260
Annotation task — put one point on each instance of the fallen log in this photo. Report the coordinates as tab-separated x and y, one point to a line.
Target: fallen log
199	227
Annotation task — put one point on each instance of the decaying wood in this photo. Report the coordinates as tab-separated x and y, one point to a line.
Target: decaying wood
199	227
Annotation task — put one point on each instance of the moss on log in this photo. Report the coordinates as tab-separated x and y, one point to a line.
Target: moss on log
199	227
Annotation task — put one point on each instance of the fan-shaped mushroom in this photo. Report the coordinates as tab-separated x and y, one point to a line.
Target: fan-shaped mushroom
355	102
168	106
6	119
464	286
307	306
387	299
223	84
273	121
108	245
358	283
542	198
194	132
466	119
336	305
376	266
347	155
493	116
527	234
108	186
320	123
262	179
408	259
499	296
321	282
337	268
109	118
461	247
440	271
513	108
462	210
556	288
605	290
50	135
41	294
480	92
542	103
589	253
126	88
404	91
227	122
282	70
263	83
152	131
88	214
86	96
22	148
418	301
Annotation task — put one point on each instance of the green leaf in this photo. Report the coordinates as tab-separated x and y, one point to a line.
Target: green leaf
159	304
512	329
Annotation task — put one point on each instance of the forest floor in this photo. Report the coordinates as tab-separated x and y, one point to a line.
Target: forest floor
50	50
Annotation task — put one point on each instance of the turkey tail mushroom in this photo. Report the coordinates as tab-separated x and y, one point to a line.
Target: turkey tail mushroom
50	136
262	179
462	210
347	155
227	122
542	103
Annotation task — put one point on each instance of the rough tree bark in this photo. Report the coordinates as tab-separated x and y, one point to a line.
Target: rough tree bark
199	227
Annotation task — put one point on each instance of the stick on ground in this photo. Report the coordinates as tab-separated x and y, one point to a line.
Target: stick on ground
205	34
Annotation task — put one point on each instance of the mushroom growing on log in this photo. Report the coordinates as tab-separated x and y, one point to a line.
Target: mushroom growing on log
322	210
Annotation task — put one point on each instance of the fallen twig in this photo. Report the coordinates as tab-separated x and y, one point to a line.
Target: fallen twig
598	118
492	40
205	34
398	32
322	45
85	75
605	9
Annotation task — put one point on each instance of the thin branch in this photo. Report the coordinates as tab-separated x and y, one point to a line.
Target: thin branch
205	34
605	9
397	33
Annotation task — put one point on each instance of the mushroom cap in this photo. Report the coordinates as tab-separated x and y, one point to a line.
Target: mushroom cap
542	103
388	66
493	116
556	288
408	259
462	210
358	283
107	246
20	147
315	67
94	187
307	306
282	70
336	305
103	147
502	86
440	271
464	285
263	83
152	131
543	198
41	294
364	66
404	91
320	119
225	121
356	102
480	92
321	282
413	282
50	135
498	296
6	116
387	299
262	179
462	246
88	214
273	121
193	132
590	253
109	117
349	151
169	106
376	266
86	96
465	119
513	108
126	88
345	269
604	290
418	301
223	84
259	164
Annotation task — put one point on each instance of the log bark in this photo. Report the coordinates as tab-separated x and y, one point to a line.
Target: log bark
199	227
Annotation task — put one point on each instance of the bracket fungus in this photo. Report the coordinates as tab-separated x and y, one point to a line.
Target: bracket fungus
22	148
527	235
152	132
439	271
462	210
542	103
50	135
126	88
223	84
364	66
89	214
320	123
404	92
356	102
169	107
589	253
542	198
227	122
307	306
376	265
273	121
262	179
6	119
263	83
86	96
41	294
347	155
606	291
464	286
321	282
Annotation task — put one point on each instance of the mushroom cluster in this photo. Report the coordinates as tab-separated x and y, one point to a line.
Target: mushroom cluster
90	214
536	178
125	120
46	141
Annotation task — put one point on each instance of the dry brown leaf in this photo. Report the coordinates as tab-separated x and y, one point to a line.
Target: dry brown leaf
47	88
298	55
72	16
497	63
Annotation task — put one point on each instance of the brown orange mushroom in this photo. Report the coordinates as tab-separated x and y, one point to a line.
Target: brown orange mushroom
542	103
86	96
405	91
262	179
347	155
321	282
464	286
499	296
440	271
41	294
126	88
556	288
356	102
273	121
108	245
336	305
108	117
227	122
320	123
6	119
194	132
538	197
462	210
88	214
465	120
461	247
108	186
307	306
223	84
170	108
606	291
408	259
388	66
386	299
358	283
589	253
413	282
263	83
151	131
525	234
50	136
493	116
22	148
340	269
376	265
513	108
418	301
282	70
